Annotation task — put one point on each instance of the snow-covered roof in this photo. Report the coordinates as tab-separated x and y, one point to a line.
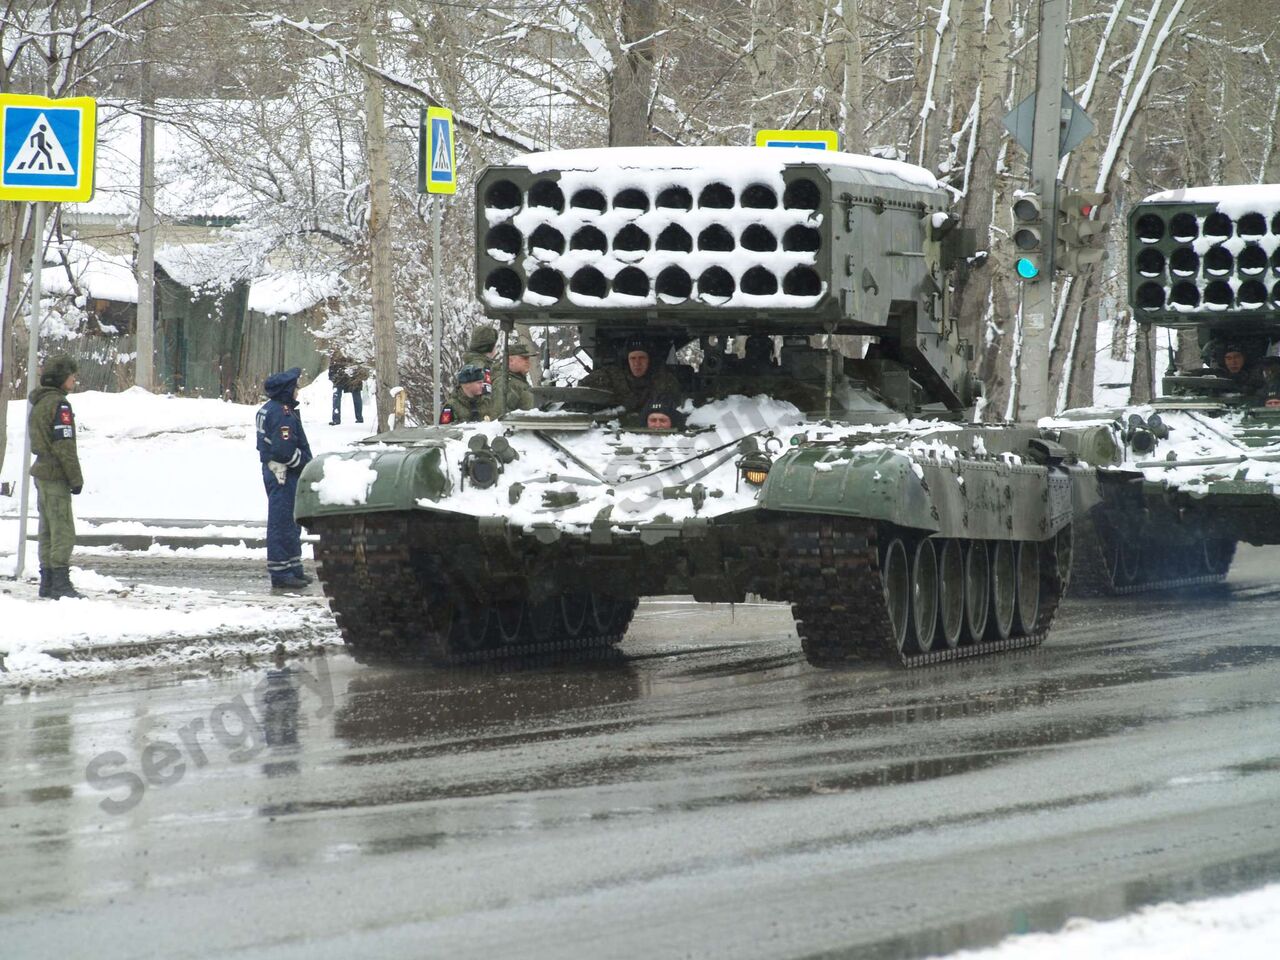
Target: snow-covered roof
206	265
105	276
101	275
1233	200
292	291
730	163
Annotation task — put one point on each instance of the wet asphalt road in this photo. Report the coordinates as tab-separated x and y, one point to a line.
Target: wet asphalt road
703	794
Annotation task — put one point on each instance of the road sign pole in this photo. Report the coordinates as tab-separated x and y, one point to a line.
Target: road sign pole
1037	297
437	205
437	175
33	364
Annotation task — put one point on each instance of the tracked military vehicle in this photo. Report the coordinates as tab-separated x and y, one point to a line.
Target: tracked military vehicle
857	490
1187	476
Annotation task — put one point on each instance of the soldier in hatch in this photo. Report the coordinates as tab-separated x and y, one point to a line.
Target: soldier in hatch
519	360
52	428
1268	394
481	349
469	403
638	381
1236	363
757	356
662	414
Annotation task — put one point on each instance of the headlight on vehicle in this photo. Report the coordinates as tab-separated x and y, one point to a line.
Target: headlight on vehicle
754	468
481	468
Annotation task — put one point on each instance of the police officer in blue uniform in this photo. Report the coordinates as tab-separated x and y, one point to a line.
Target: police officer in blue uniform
284	451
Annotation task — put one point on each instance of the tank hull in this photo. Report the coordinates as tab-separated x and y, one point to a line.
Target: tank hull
1171	512
427	566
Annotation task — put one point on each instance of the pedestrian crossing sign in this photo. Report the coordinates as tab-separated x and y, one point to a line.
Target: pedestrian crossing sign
46	148
437	163
806	139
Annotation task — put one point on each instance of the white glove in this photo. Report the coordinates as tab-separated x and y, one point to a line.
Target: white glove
279	469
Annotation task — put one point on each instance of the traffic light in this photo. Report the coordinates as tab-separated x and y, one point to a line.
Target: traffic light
1028	235
1082	216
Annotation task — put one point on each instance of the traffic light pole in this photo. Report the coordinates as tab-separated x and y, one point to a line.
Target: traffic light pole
1046	142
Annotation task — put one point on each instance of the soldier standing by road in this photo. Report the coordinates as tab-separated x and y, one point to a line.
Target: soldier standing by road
284	451
638	381
52	428
469	403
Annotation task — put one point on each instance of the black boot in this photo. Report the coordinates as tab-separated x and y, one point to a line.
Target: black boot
45	581
60	586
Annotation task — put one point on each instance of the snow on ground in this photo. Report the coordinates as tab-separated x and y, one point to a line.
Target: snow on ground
157	457
147	456
112	615
1242	927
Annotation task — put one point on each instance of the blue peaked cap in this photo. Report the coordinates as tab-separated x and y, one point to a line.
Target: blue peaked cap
282	383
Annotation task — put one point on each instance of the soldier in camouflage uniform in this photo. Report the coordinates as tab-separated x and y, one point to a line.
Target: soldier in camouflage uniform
469	403
519	360
52	428
481	347
638	381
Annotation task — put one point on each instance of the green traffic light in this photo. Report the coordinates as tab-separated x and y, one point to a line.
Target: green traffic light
1027	268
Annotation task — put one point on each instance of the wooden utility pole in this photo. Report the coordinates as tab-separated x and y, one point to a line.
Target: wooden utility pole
144	373
385	353
144	271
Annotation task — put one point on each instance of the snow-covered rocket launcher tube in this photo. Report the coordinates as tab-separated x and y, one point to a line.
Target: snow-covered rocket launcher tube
857	489
685	242
1197	469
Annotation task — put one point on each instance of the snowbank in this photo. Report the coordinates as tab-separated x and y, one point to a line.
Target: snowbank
148	456
1243	927
83	633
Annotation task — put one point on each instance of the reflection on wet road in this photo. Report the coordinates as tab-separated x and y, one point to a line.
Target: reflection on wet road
702	793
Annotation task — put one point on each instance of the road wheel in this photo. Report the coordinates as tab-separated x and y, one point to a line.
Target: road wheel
950	594
1064	555
603	613
1028	606
977	590
471	623
924	595
1004	590
1123	558
542	619
509	622
896	578
1130	562
574	608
